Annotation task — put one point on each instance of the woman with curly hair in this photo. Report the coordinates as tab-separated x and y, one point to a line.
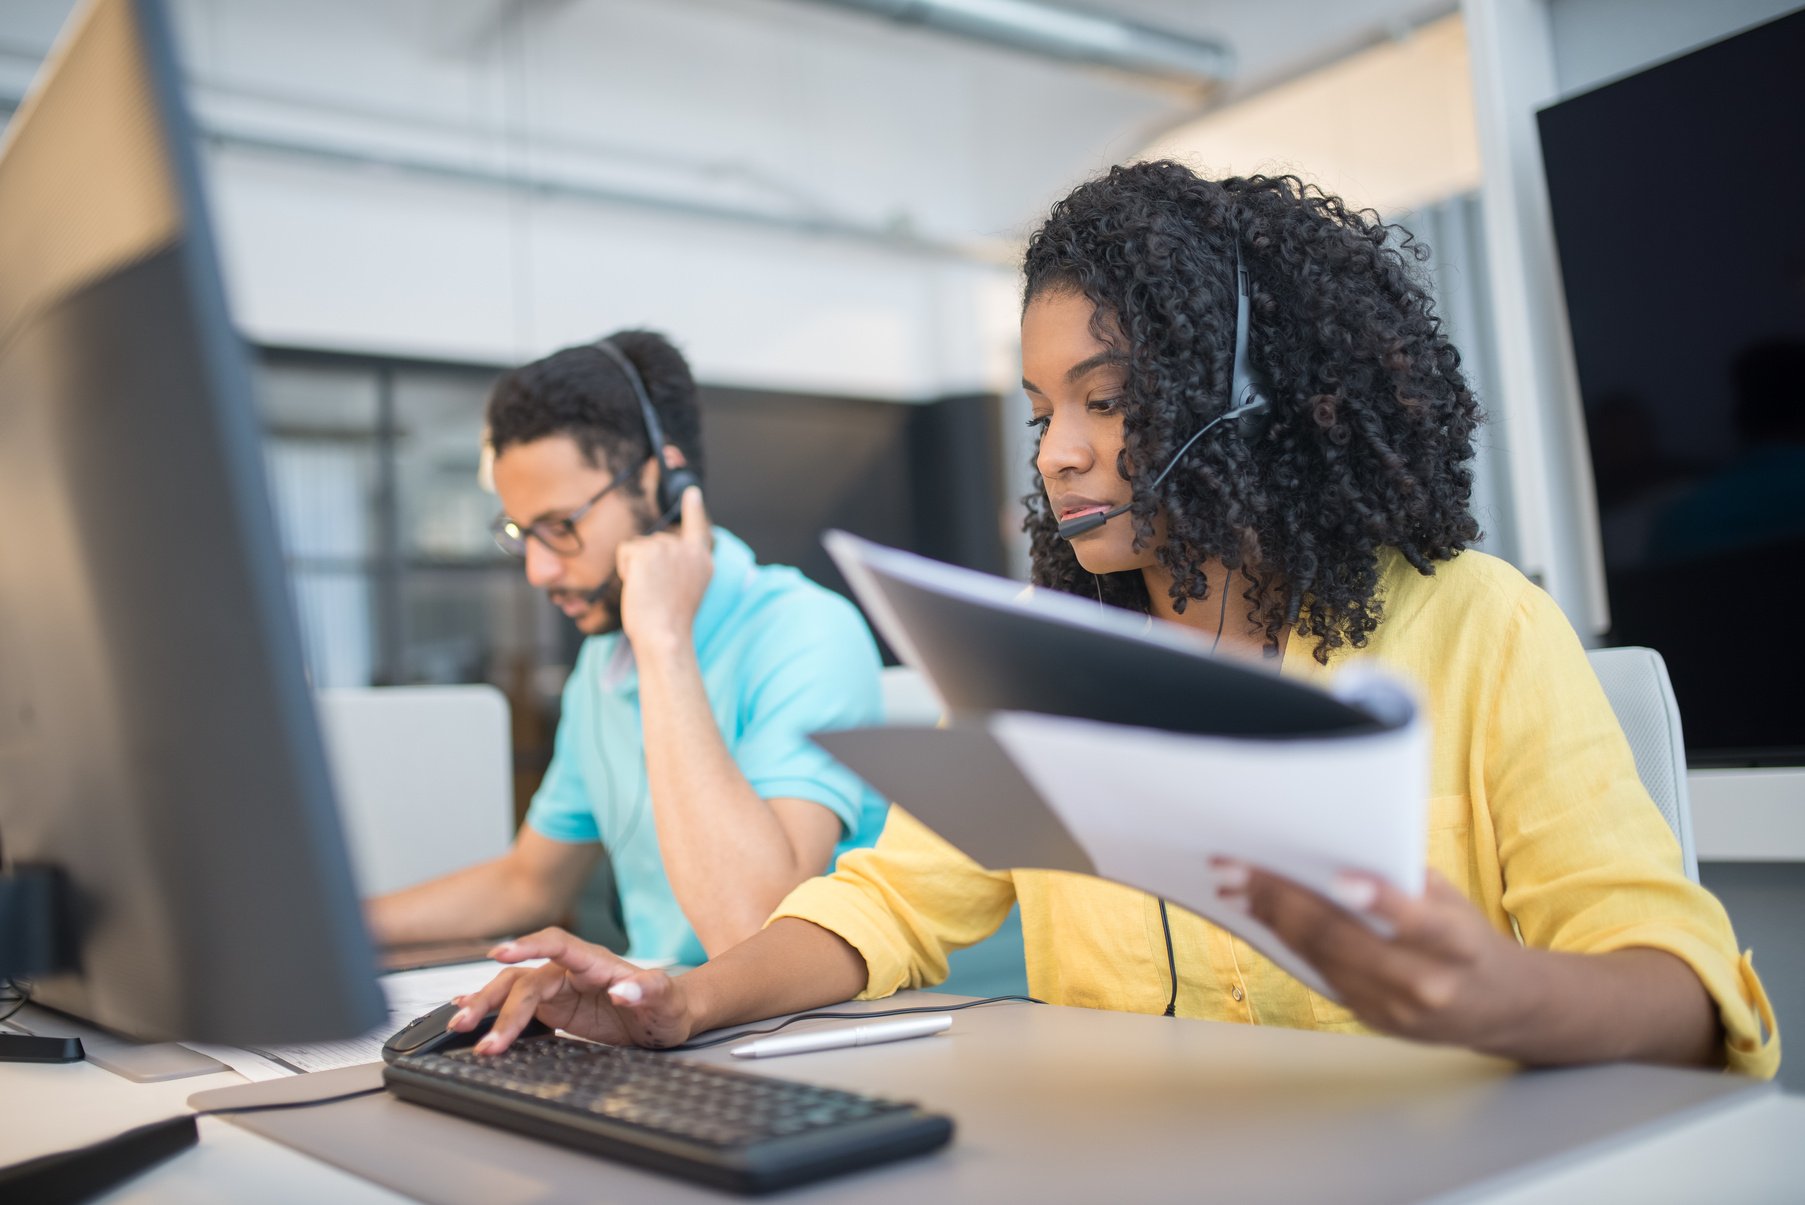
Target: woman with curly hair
1311	510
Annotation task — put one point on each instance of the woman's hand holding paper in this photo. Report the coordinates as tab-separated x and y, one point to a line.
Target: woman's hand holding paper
1430	967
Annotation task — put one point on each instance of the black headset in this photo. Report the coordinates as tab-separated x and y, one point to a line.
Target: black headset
668	490
1248	404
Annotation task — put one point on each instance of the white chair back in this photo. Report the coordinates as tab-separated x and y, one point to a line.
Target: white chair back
423	776
1635	680
908	699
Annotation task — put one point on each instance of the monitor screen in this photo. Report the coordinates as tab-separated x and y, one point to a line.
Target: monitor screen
1675	197
158	744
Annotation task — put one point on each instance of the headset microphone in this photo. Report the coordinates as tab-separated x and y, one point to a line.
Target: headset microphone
1245	396
1073	528
1077	527
672	481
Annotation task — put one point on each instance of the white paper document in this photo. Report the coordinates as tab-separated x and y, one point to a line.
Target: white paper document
1153	808
409	994
1304	783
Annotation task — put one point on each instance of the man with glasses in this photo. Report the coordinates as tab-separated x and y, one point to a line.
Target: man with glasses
682	748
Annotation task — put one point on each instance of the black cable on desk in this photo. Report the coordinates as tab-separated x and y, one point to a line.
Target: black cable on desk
288	1104
21	996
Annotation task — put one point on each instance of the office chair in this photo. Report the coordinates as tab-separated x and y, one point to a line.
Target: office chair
908	699
1635	681
424	778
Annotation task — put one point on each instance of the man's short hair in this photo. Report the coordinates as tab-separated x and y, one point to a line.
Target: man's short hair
582	393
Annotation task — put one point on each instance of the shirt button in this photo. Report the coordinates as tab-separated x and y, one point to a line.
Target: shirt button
1236	993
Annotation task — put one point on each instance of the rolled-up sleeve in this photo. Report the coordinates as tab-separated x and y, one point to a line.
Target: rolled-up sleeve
904	905
1589	864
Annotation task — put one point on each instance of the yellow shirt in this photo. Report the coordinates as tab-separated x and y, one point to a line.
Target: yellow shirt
1536	813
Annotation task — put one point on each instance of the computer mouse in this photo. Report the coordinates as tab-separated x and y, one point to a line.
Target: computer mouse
427	1034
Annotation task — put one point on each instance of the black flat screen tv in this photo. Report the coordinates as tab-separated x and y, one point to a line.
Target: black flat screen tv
1678	198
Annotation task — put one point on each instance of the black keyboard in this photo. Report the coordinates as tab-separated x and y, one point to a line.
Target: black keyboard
746	1133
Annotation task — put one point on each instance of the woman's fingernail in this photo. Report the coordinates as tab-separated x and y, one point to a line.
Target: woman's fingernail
626	993
504	950
488	1045
1354	893
1232	876
460	1016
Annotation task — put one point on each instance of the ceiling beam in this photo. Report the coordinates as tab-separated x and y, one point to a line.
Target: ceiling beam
1068	35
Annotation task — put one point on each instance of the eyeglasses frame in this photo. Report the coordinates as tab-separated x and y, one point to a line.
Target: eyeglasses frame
501	524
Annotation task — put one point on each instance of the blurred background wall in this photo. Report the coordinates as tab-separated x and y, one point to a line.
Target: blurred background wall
822	206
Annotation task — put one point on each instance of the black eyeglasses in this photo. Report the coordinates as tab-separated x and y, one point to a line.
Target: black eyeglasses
559	535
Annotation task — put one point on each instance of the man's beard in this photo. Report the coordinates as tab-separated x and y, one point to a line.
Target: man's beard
607	596
608	599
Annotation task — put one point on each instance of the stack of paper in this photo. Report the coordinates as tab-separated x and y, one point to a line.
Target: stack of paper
1085	739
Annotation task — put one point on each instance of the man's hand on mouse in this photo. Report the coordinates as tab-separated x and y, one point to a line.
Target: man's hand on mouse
582	989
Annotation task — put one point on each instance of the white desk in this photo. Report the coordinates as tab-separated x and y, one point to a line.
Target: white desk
47	1108
1037	1129
1754	815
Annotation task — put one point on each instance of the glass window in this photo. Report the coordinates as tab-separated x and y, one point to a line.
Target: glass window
372	467
322	456
444	511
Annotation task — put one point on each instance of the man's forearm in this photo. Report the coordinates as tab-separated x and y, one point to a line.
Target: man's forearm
485	900
728	858
1640	1005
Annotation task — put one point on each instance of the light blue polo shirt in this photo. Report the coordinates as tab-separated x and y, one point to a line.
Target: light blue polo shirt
781	657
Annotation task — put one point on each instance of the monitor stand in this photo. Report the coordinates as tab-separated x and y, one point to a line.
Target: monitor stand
35	938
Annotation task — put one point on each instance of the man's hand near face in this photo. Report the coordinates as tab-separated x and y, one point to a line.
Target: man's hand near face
663	578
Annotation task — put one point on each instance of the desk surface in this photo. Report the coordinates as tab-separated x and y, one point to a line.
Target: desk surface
1056	1103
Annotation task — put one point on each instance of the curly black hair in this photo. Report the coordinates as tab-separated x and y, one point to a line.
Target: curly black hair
1369	434
582	393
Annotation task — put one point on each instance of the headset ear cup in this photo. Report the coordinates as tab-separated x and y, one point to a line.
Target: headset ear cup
672	482
1256	416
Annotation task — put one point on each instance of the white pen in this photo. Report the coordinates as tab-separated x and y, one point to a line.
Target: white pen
856	1035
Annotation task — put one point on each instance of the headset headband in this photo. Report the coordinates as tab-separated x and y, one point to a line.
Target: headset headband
654	431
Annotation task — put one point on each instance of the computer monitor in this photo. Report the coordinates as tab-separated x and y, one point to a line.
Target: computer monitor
1673	193
158	743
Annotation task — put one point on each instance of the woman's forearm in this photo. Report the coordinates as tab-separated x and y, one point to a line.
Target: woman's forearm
789	966
1640	1005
